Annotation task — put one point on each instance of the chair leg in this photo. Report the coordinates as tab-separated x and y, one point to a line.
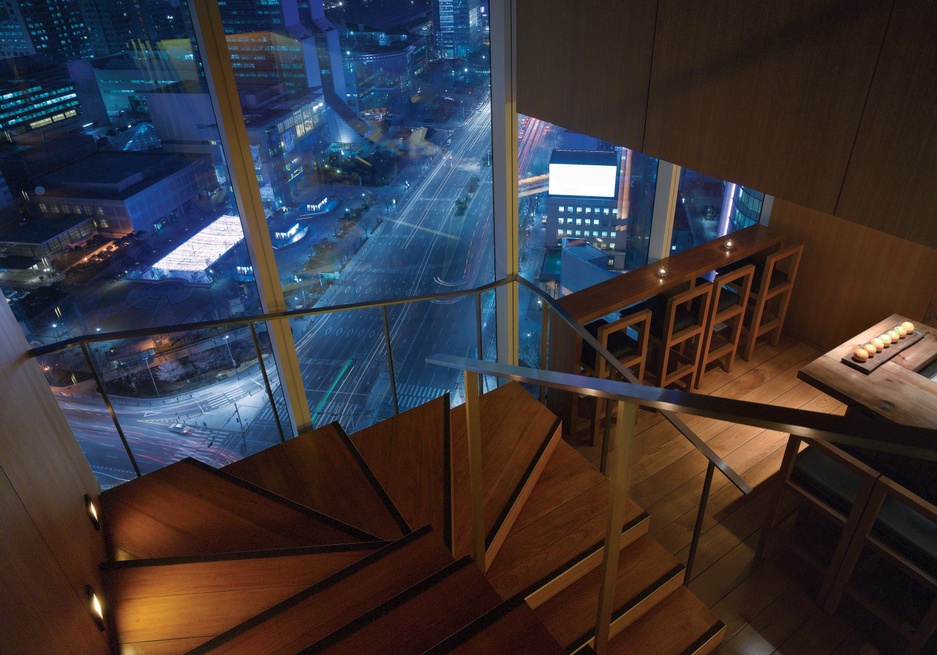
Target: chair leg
785	301
774	509
923	631
753	330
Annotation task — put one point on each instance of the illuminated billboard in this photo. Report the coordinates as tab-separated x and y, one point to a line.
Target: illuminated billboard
583	180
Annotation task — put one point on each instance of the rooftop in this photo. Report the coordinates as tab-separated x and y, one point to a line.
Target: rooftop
43	229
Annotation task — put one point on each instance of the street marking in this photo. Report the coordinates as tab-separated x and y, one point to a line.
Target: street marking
335	382
426	229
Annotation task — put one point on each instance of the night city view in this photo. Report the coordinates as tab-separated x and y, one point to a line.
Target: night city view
369	129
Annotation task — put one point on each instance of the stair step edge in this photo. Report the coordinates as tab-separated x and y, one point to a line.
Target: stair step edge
400	599
307	593
544	589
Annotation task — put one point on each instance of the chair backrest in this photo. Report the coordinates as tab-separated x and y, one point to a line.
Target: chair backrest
740	281
696	301
641	322
785	261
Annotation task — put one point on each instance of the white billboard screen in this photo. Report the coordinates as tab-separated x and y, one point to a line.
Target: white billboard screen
590	181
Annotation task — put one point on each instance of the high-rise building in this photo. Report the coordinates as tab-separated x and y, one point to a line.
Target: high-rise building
457	27
55	28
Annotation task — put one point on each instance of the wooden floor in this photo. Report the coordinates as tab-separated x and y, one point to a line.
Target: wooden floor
768	606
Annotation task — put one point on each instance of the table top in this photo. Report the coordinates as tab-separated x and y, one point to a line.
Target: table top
624	290
893	390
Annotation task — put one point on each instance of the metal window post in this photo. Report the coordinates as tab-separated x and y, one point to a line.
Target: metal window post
219	74
504	173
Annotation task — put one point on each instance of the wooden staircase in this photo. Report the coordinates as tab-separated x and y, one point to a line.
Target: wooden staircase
337	544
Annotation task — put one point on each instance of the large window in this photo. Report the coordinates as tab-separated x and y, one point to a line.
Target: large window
708	208
372	155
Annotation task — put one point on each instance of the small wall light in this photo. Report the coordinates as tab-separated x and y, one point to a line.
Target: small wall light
92	512
95	607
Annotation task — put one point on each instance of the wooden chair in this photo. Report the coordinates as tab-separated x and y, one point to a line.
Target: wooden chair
831	482
630	352
677	327
724	324
770	297
899	527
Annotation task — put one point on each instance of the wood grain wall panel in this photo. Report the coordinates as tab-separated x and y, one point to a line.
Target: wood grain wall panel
40	611
49	476
890	181
768	94
851	276
585	65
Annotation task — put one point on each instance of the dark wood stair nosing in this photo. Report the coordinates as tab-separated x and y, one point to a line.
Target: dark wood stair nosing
369	474
630	604
480	624
585	554
332	522
118	565
406	595
525	478
704	638
310	591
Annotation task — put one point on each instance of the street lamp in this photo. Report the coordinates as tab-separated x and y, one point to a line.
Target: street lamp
150	371
230	356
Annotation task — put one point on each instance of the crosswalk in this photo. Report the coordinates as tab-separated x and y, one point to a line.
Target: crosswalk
411	395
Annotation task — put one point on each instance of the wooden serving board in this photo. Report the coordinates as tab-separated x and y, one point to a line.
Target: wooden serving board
883	356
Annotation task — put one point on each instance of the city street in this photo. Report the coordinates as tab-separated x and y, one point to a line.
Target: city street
423	247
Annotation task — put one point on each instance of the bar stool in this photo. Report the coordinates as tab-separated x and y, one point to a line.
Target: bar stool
677	323
630	352
726	314
771	283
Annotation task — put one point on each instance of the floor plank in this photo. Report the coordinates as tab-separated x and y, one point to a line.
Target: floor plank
768	606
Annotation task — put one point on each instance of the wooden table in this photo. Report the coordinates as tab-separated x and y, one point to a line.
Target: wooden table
893	391
624	290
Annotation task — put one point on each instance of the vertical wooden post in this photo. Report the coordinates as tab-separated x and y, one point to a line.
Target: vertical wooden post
620	477
473	421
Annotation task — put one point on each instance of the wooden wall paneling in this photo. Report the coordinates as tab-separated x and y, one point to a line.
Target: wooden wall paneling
851	276
768	94
41	611
49	475
890	183
586	65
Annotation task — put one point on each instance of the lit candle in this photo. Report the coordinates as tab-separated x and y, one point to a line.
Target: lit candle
729	244
661	271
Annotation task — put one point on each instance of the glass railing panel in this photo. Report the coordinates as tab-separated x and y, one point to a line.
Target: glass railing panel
419	329
489	330
76	391
271	418
343	361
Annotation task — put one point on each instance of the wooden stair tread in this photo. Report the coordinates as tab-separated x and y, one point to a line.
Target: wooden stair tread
195	600
646	574
300	621
512	627
188	508
561	526
321	469
518	437
419	618
679	625
410	457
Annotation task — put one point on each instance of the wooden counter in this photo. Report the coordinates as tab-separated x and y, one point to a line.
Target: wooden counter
893	391
621	291
624	290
